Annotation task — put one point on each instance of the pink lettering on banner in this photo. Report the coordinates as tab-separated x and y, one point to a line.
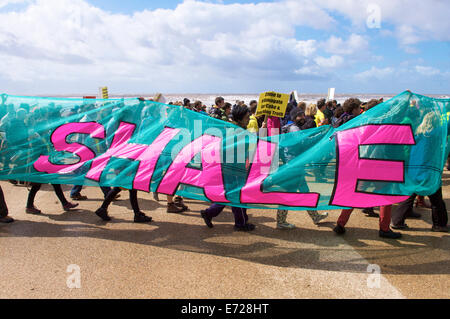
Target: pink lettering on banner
351	168
120	148
58	138
209	177
149	158
252	192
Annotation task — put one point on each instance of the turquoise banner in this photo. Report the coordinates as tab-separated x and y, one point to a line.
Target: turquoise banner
384	155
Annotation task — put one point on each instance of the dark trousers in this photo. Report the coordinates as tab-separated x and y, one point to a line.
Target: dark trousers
76	190
3	207
240	214
438	210
113	193
35	187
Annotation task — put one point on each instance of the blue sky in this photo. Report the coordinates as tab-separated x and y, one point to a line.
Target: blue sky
193	46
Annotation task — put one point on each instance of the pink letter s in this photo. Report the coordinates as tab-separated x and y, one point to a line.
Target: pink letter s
58	139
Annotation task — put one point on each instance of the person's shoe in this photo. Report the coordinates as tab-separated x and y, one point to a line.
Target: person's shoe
440	229
6	220
68	206
103	214
173	209
246	227
141	218
156	197
179	203
285	225
33	210
389	234
207	219
79	197
340	230
13	182
370	212
413	215
404	226
317	217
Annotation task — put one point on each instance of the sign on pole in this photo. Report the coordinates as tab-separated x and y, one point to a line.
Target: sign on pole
331	94
103	93
272	104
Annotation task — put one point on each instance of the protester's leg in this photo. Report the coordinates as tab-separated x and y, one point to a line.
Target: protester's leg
344	217
240	216
59	192
35	187
180	203
3	206
385	220
385	217
402	210
241	219
172	207
134	201
109	198
211	212
281	220
281	216
4	218
438	210
139	217
76	190
102	212
317	216
105	190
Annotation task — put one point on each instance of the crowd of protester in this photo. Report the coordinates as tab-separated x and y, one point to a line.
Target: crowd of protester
299	116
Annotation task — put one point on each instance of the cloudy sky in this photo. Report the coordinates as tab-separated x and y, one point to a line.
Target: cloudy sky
136	46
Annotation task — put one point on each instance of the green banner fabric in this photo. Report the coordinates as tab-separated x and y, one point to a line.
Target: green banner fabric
379	158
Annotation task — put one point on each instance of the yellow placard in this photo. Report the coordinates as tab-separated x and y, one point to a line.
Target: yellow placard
104	92
272	104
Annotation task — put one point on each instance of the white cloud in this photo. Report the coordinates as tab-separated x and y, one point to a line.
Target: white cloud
72	44
331	62
427	70
353	45
375	73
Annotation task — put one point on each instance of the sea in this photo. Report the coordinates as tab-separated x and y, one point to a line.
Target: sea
208	99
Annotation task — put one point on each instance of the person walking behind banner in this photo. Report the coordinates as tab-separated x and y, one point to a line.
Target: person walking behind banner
438	213
352	108
4	218
253	126
139	217
273	128
422	153
320	117
241	117
35	187
310	115
298	123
